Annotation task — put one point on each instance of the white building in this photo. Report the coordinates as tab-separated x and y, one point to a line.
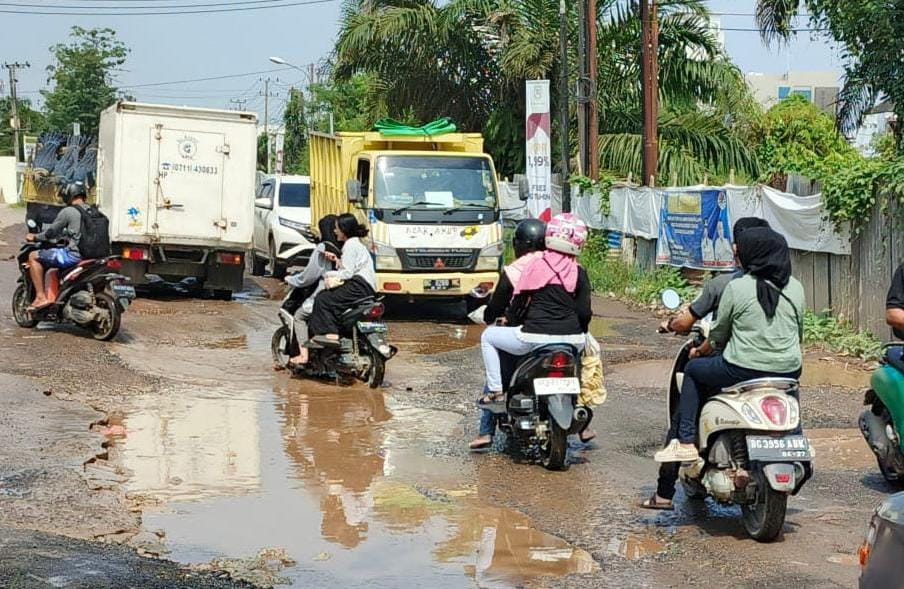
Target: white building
876	122
820	88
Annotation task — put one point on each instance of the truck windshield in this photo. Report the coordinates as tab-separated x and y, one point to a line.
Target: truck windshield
427	182
294	195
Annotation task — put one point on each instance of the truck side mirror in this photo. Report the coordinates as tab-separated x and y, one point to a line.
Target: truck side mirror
353	191
523	189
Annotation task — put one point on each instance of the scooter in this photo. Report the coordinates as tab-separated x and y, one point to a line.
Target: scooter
749	453
880	422
541	402
92	294
362	350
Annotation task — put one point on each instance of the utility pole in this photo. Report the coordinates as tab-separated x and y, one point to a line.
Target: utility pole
593	114
650	74
563	104
588	121
14	101
267	96
237	103
581	89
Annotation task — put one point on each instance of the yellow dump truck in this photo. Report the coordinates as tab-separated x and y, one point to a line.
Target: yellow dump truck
431	204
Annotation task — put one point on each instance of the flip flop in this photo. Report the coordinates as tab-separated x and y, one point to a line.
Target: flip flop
652	503
590	438
480	446
33	308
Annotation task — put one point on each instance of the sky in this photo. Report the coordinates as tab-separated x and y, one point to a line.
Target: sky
188	46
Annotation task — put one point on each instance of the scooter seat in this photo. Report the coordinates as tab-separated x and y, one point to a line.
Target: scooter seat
781	384
72	269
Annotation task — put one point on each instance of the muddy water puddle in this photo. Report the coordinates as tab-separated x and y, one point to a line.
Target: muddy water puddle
434	338
356	488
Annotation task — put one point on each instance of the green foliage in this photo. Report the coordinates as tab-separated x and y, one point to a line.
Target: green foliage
795	136
295	149
602	186
837	335
32	123
612	276
83	77
468	59
871	39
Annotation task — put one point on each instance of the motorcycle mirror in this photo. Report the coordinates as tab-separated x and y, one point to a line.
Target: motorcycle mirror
671	300
31	224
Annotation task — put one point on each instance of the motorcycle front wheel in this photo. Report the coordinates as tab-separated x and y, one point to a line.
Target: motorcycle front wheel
21	300
279	346
556	448
765	519
106	328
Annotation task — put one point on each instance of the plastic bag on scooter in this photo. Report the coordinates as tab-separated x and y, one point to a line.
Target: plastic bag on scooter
593	388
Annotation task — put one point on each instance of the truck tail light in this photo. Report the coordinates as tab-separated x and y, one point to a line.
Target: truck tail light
229	259
136	254
392	286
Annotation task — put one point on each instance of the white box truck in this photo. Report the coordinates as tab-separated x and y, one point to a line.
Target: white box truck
177	184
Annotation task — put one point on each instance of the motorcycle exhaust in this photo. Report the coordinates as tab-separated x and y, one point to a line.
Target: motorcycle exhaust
581	414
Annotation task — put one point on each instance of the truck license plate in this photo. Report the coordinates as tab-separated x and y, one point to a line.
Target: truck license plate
443	284
768	448
557	386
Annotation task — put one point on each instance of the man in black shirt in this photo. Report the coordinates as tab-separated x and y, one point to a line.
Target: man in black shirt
894	303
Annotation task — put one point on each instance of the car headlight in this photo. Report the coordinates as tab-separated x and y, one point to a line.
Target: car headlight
490	256
300	227
385	256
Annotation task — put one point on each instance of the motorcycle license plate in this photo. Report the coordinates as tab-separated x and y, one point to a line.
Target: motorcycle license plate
770	449
371	327
123	291
557	386
443	284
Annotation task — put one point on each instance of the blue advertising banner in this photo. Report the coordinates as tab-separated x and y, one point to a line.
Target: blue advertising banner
695	231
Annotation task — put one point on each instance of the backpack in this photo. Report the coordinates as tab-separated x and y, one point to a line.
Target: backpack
95	233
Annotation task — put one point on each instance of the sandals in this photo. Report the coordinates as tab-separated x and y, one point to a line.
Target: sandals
652	503
480	443
587	436
491	399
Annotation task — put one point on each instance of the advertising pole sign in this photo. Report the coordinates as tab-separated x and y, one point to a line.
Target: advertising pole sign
695	231
539	160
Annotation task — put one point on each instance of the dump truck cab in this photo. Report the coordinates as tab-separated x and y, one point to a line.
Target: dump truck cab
431	205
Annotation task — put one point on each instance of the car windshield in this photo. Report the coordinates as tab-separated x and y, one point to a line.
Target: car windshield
294	195
434	182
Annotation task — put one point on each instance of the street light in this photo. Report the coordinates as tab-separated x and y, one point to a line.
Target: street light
307	72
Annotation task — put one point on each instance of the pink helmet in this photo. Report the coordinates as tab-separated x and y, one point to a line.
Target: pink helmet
566	234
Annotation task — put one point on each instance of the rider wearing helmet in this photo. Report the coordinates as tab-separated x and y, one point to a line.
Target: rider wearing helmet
67	225
530	236
551	304
528	240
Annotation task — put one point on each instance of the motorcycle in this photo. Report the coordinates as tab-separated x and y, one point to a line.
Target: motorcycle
879	423
541	402
749	453
362	350
92	294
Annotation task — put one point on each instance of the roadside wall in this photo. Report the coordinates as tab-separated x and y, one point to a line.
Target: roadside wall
8	186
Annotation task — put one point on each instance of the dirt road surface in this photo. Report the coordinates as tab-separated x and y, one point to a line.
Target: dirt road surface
176	457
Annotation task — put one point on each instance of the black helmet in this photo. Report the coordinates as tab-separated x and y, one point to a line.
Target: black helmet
72	191
530	236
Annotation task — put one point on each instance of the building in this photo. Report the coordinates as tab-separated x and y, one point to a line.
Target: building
820	88
878	121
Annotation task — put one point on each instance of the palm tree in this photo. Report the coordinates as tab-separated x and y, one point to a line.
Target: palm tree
468	59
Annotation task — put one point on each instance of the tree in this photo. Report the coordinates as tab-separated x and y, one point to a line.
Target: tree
468	59
872	37
295	154
83	78
31	121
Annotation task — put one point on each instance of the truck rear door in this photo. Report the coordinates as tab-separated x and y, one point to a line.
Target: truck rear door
186	197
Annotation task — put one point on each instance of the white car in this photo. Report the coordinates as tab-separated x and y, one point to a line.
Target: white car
282	225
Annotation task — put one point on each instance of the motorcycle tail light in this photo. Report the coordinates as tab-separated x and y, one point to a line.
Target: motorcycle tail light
114	264
775	410
557	364
376	311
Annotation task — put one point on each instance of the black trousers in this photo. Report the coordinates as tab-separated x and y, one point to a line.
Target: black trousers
331	304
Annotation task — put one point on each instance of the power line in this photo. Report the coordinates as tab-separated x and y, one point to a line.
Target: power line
158	11
130	7
224	77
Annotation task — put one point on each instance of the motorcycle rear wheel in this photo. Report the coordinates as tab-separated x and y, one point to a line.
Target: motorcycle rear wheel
377	370
554	454
21	300
765	519
279	346
107	328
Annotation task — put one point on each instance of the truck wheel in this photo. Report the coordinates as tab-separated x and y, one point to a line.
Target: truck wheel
258	266
277	270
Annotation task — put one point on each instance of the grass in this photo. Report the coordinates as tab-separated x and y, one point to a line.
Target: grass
837	335
614	277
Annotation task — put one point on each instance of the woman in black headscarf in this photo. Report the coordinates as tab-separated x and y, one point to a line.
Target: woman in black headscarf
757	333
